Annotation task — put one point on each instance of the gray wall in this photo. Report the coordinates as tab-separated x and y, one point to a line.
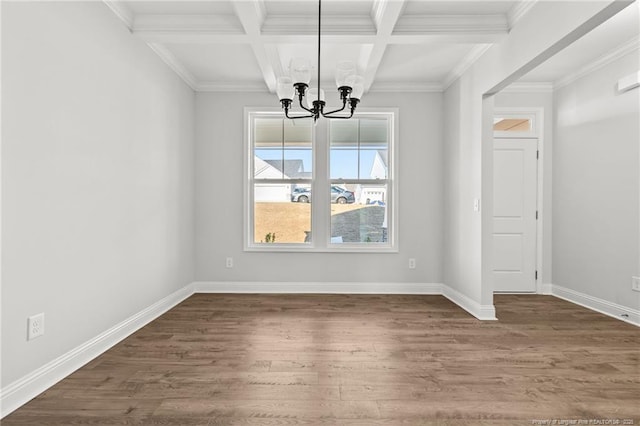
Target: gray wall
219	199
545	101
97	178
469	141
596	185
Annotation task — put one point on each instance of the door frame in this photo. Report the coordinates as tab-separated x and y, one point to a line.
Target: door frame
536	114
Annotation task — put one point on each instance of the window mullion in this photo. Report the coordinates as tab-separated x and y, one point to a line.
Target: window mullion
321	212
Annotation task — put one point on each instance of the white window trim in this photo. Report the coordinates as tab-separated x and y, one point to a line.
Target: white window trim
319	226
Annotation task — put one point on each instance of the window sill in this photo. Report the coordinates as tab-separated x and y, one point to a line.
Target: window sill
345	249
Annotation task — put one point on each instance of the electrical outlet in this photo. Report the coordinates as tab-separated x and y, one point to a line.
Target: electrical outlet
412	263
635	283
229	262
35	326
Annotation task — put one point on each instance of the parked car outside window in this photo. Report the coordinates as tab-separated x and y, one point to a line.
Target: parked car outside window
338	195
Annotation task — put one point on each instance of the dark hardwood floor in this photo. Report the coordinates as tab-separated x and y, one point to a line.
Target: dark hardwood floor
356	360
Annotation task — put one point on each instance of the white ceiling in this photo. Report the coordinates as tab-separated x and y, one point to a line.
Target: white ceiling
419	45
614	37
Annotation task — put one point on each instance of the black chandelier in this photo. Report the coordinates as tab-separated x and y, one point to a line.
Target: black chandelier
350	86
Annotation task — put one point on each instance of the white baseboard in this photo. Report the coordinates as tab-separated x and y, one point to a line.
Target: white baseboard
481	312
316	287
632	316
28	387
31	385
547	289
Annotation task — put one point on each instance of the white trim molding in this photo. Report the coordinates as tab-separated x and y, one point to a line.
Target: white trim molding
528	87
28	387
465	64
481	312
412	86
317	287
624	49
518	10
173	63
614	310
122	11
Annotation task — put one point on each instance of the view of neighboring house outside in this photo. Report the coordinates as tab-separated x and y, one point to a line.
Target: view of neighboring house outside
372	193
277	169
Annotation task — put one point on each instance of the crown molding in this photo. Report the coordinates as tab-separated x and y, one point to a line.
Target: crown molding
518	11
205	24
377	12
414	86
217	86
624	49
465	64
451	24
121	11
532	87
174	64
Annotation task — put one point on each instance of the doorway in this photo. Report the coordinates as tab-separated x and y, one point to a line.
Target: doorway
515	206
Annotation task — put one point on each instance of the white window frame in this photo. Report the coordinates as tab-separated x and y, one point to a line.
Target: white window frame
320	211
392	203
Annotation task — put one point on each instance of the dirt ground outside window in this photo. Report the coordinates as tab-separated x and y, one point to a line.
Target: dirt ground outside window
290	221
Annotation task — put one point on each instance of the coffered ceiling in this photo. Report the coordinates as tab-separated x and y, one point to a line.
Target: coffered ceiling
244	45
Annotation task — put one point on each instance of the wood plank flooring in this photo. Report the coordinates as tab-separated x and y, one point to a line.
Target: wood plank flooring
356	360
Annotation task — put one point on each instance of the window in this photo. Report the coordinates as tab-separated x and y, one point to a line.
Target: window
359	166
514	124
282	164
328	193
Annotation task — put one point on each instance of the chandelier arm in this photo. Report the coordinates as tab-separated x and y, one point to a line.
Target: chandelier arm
312	111
337	116
295	117
344	105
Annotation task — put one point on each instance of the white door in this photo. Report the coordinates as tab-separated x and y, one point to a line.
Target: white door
514	214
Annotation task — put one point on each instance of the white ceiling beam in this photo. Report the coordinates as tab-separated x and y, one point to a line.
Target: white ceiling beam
252	14
518	10
451	24
228	29
385	14
406	86
308	25
207	37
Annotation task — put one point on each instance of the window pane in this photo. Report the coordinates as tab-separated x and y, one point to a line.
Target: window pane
267	133
373	164
282	149
373	133
344	163
359	149
344	133
362	218
504	124
298	157
277	219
